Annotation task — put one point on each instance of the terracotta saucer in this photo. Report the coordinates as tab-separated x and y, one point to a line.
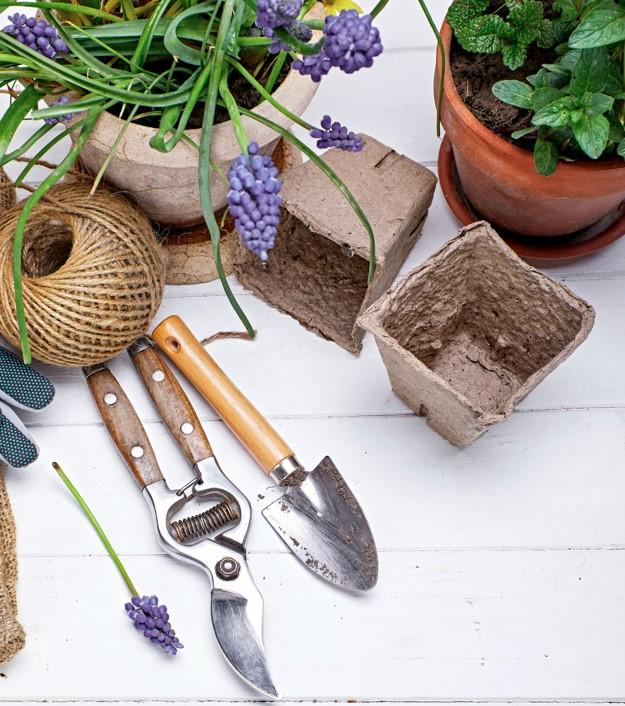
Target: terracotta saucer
543	252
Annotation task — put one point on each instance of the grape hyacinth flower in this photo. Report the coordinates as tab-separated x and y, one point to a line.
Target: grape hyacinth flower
55	119
152	620
146	614
297	28
351	44
38	35
333	134
271	14
254	200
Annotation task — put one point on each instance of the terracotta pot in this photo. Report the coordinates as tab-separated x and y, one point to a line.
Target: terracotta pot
501	183
165	185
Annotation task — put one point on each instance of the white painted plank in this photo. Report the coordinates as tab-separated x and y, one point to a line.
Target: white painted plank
545	479
440	625
276	371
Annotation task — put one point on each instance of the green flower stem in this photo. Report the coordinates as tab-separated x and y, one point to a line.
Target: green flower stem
274	74
63	7
35	137
204	158
441	47
267	96
18	239
331	174
97	527
233	113
378	8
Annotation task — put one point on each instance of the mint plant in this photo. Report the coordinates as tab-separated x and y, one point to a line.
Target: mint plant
509	29
577	102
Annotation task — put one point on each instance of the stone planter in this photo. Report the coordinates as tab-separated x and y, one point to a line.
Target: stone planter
165	185
472	331
317	271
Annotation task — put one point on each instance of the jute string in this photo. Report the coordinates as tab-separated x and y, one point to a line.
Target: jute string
11	632
93	275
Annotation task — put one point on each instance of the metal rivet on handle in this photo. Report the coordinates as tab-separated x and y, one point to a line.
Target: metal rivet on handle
136	451
158	376
186	428
110	398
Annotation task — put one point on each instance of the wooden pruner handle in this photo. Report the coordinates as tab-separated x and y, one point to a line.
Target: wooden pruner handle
123	425
255	433
171	401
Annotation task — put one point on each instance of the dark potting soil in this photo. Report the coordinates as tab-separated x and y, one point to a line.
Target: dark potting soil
245	95
474	76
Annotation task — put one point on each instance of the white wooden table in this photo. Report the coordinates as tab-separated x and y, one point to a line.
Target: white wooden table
502	565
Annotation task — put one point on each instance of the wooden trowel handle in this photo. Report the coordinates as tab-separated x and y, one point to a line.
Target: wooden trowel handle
258	436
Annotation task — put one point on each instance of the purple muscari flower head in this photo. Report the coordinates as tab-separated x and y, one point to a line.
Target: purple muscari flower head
254	200
297	28
152	620
38	35
63	100
333	134
351	44
277	13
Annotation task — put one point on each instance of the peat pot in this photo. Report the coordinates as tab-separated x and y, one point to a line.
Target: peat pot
472	331
499	179
165	185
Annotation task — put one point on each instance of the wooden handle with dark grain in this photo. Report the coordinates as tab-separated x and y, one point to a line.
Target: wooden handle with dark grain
172	403
124	426
258	436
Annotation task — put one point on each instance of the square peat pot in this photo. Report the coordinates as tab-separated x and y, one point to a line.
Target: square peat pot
318	270
472	331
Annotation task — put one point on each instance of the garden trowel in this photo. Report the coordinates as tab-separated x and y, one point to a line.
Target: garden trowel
317	516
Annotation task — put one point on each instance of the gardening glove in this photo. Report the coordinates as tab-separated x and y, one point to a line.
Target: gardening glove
23	387
11	632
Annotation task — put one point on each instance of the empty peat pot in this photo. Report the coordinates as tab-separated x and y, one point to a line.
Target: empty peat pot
472	331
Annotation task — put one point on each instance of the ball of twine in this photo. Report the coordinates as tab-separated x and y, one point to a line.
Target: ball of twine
7	192
93	275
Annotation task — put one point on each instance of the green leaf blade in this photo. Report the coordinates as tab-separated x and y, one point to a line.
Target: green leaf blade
514	93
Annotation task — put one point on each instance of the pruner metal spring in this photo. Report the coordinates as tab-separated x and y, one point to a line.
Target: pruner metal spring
206	522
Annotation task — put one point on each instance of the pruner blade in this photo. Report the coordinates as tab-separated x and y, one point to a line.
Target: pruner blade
237	621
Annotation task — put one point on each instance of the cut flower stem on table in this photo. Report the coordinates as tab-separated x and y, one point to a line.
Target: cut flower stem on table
169	60
147	615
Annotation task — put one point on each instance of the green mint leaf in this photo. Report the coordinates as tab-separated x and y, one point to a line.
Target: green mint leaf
597	103
620	150
567	9
556	114
514	93
482	34
514	55
544	96
518	134
545	157
592	134
604	24
590	74
462	11
526	21
569	60
546	36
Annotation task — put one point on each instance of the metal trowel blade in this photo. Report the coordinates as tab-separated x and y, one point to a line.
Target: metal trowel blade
322	523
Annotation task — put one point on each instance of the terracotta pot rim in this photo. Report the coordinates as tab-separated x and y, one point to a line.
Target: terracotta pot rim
542	253
482	132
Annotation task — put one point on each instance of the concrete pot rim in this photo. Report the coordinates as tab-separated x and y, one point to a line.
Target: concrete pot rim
225	147
372	320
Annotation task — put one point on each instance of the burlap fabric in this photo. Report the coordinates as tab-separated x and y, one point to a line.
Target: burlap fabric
11	632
